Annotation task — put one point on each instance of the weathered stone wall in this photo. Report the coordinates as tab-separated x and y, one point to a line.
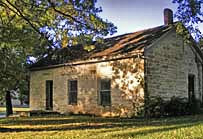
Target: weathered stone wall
168	63
125	78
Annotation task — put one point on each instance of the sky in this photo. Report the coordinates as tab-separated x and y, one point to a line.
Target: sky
135	15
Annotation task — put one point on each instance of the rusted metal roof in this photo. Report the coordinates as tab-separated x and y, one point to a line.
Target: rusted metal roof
119	45
130	42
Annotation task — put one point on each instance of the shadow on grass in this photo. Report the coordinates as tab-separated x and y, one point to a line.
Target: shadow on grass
104	126
107	127
55	120
152	131
69	123
61	120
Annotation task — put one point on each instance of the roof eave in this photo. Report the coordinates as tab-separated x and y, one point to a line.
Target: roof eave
93	61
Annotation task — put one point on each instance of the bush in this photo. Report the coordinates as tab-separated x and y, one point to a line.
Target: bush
194	106
176	106
154	107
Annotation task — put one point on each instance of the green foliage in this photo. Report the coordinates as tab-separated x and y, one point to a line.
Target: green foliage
184	33
18	41
190	13
194	106
16	45
157	107
67	20
176	107
201	43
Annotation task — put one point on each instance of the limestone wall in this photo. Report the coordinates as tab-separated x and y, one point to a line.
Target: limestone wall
126	76
168	64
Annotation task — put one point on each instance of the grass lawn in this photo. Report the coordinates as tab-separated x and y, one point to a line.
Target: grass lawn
3	109
81	127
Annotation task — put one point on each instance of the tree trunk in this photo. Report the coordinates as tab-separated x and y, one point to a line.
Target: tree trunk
9	109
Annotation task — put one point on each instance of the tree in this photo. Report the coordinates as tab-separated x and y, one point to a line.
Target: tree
13	54
61	20
35	28
17	42
190	13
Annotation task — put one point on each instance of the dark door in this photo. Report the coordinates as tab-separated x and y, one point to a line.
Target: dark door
191	88
49	95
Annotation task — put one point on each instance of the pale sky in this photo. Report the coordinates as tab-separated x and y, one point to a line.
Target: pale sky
134	15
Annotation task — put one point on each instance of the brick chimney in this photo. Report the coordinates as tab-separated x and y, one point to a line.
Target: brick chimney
168	16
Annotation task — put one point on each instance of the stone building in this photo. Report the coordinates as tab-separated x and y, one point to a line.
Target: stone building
114	77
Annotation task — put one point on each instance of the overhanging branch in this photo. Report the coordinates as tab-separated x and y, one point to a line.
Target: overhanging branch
19	13
25	18
71	17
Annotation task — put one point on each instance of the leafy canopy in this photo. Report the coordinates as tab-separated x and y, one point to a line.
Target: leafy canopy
190	13
61	21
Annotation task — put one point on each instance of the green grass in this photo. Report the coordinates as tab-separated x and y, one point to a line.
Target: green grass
78	127
3	109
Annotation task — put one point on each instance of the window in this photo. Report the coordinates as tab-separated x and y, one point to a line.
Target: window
72	91
105	92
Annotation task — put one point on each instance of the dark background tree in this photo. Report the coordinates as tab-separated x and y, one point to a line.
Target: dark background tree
190	13
13	54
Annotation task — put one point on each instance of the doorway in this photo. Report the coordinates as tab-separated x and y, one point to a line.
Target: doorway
49	95
191	88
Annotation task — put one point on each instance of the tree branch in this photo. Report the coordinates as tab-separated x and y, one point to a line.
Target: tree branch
69	16
19	13
25	18
64	14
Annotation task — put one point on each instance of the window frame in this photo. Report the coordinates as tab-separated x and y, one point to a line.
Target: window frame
105	92
72	94
191	87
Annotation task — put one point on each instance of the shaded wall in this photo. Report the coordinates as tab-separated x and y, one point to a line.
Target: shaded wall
169	63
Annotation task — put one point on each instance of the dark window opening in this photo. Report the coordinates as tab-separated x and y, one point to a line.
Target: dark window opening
72	91
105	92
191	88
49	95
